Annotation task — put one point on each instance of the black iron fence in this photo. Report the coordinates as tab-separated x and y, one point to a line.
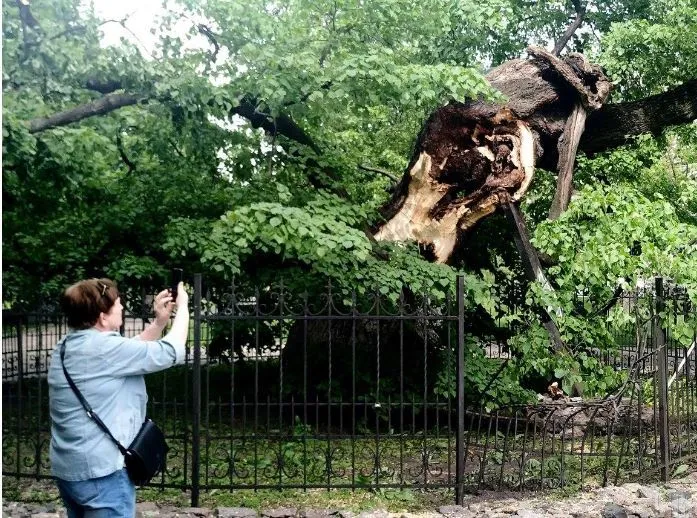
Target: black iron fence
337	390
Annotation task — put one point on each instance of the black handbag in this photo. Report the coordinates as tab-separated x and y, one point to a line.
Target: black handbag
146	456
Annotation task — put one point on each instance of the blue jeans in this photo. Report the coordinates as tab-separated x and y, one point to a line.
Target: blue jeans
104	497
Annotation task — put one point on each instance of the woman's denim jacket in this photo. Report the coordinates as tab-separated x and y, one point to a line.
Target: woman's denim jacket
108	369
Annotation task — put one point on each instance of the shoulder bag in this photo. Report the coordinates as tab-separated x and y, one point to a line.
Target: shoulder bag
145	457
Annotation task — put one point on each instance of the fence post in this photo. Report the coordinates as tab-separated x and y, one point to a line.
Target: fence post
20	397
460	393
196	396
659	344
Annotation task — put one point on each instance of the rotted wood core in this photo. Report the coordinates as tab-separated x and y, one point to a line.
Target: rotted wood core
473	158
466	168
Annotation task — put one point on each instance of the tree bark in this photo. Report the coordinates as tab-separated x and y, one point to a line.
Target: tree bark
568	147
614	124
472	158
101	106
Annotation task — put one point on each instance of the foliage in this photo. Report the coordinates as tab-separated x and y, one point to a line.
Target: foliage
630	47
181	180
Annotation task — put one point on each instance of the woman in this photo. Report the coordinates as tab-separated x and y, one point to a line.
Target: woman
108	369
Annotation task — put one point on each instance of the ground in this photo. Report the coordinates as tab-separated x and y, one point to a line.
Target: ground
676	499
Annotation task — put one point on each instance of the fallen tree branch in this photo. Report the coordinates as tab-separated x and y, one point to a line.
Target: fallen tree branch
610	303
533	270
680	367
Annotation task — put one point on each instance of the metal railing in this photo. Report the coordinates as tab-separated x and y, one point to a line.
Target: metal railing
339	390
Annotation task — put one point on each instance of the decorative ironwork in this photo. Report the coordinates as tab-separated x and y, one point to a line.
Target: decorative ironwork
332	388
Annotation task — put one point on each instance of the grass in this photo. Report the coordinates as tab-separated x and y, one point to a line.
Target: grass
44	491
516	462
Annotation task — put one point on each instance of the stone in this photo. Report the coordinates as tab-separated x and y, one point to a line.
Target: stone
661	510
318	513
196	511
280	512
377	513
640	511
681	505
612	510
452	511
346	514
147	509
677	494
235	512
529	513
649	492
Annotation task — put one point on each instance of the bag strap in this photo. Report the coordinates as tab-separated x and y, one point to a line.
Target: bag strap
85	404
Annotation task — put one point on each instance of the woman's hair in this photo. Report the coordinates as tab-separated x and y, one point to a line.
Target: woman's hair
83	302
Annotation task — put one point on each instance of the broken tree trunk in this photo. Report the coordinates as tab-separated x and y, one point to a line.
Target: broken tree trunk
473	158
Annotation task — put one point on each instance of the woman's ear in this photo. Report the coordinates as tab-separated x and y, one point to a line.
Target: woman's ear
101	321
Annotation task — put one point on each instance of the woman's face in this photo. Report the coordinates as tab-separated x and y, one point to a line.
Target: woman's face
114	318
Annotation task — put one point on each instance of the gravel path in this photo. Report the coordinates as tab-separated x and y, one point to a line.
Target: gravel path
677	499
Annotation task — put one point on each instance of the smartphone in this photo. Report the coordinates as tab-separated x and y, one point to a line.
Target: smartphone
177	277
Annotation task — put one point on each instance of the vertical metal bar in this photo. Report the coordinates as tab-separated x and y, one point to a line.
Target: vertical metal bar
329	386
255	431
196	382
448	368
425	393
281	304
305	315
460	394
354	316
659	342
20	397
39	401
232	385
401	389
208	404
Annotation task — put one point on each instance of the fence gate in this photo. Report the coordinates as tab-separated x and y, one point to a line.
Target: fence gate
676	380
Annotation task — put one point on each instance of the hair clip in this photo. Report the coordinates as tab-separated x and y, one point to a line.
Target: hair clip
103	286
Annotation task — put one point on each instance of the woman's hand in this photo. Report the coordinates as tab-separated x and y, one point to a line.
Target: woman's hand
182	296
163	306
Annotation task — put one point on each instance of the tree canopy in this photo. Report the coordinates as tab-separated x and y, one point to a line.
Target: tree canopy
260	139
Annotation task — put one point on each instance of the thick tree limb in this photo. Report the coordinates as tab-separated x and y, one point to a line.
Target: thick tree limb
568	146
613	124
533	269
106	104
319	176
587	80
103	86
580	14
282	124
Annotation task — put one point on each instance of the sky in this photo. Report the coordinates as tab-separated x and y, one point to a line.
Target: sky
141	16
